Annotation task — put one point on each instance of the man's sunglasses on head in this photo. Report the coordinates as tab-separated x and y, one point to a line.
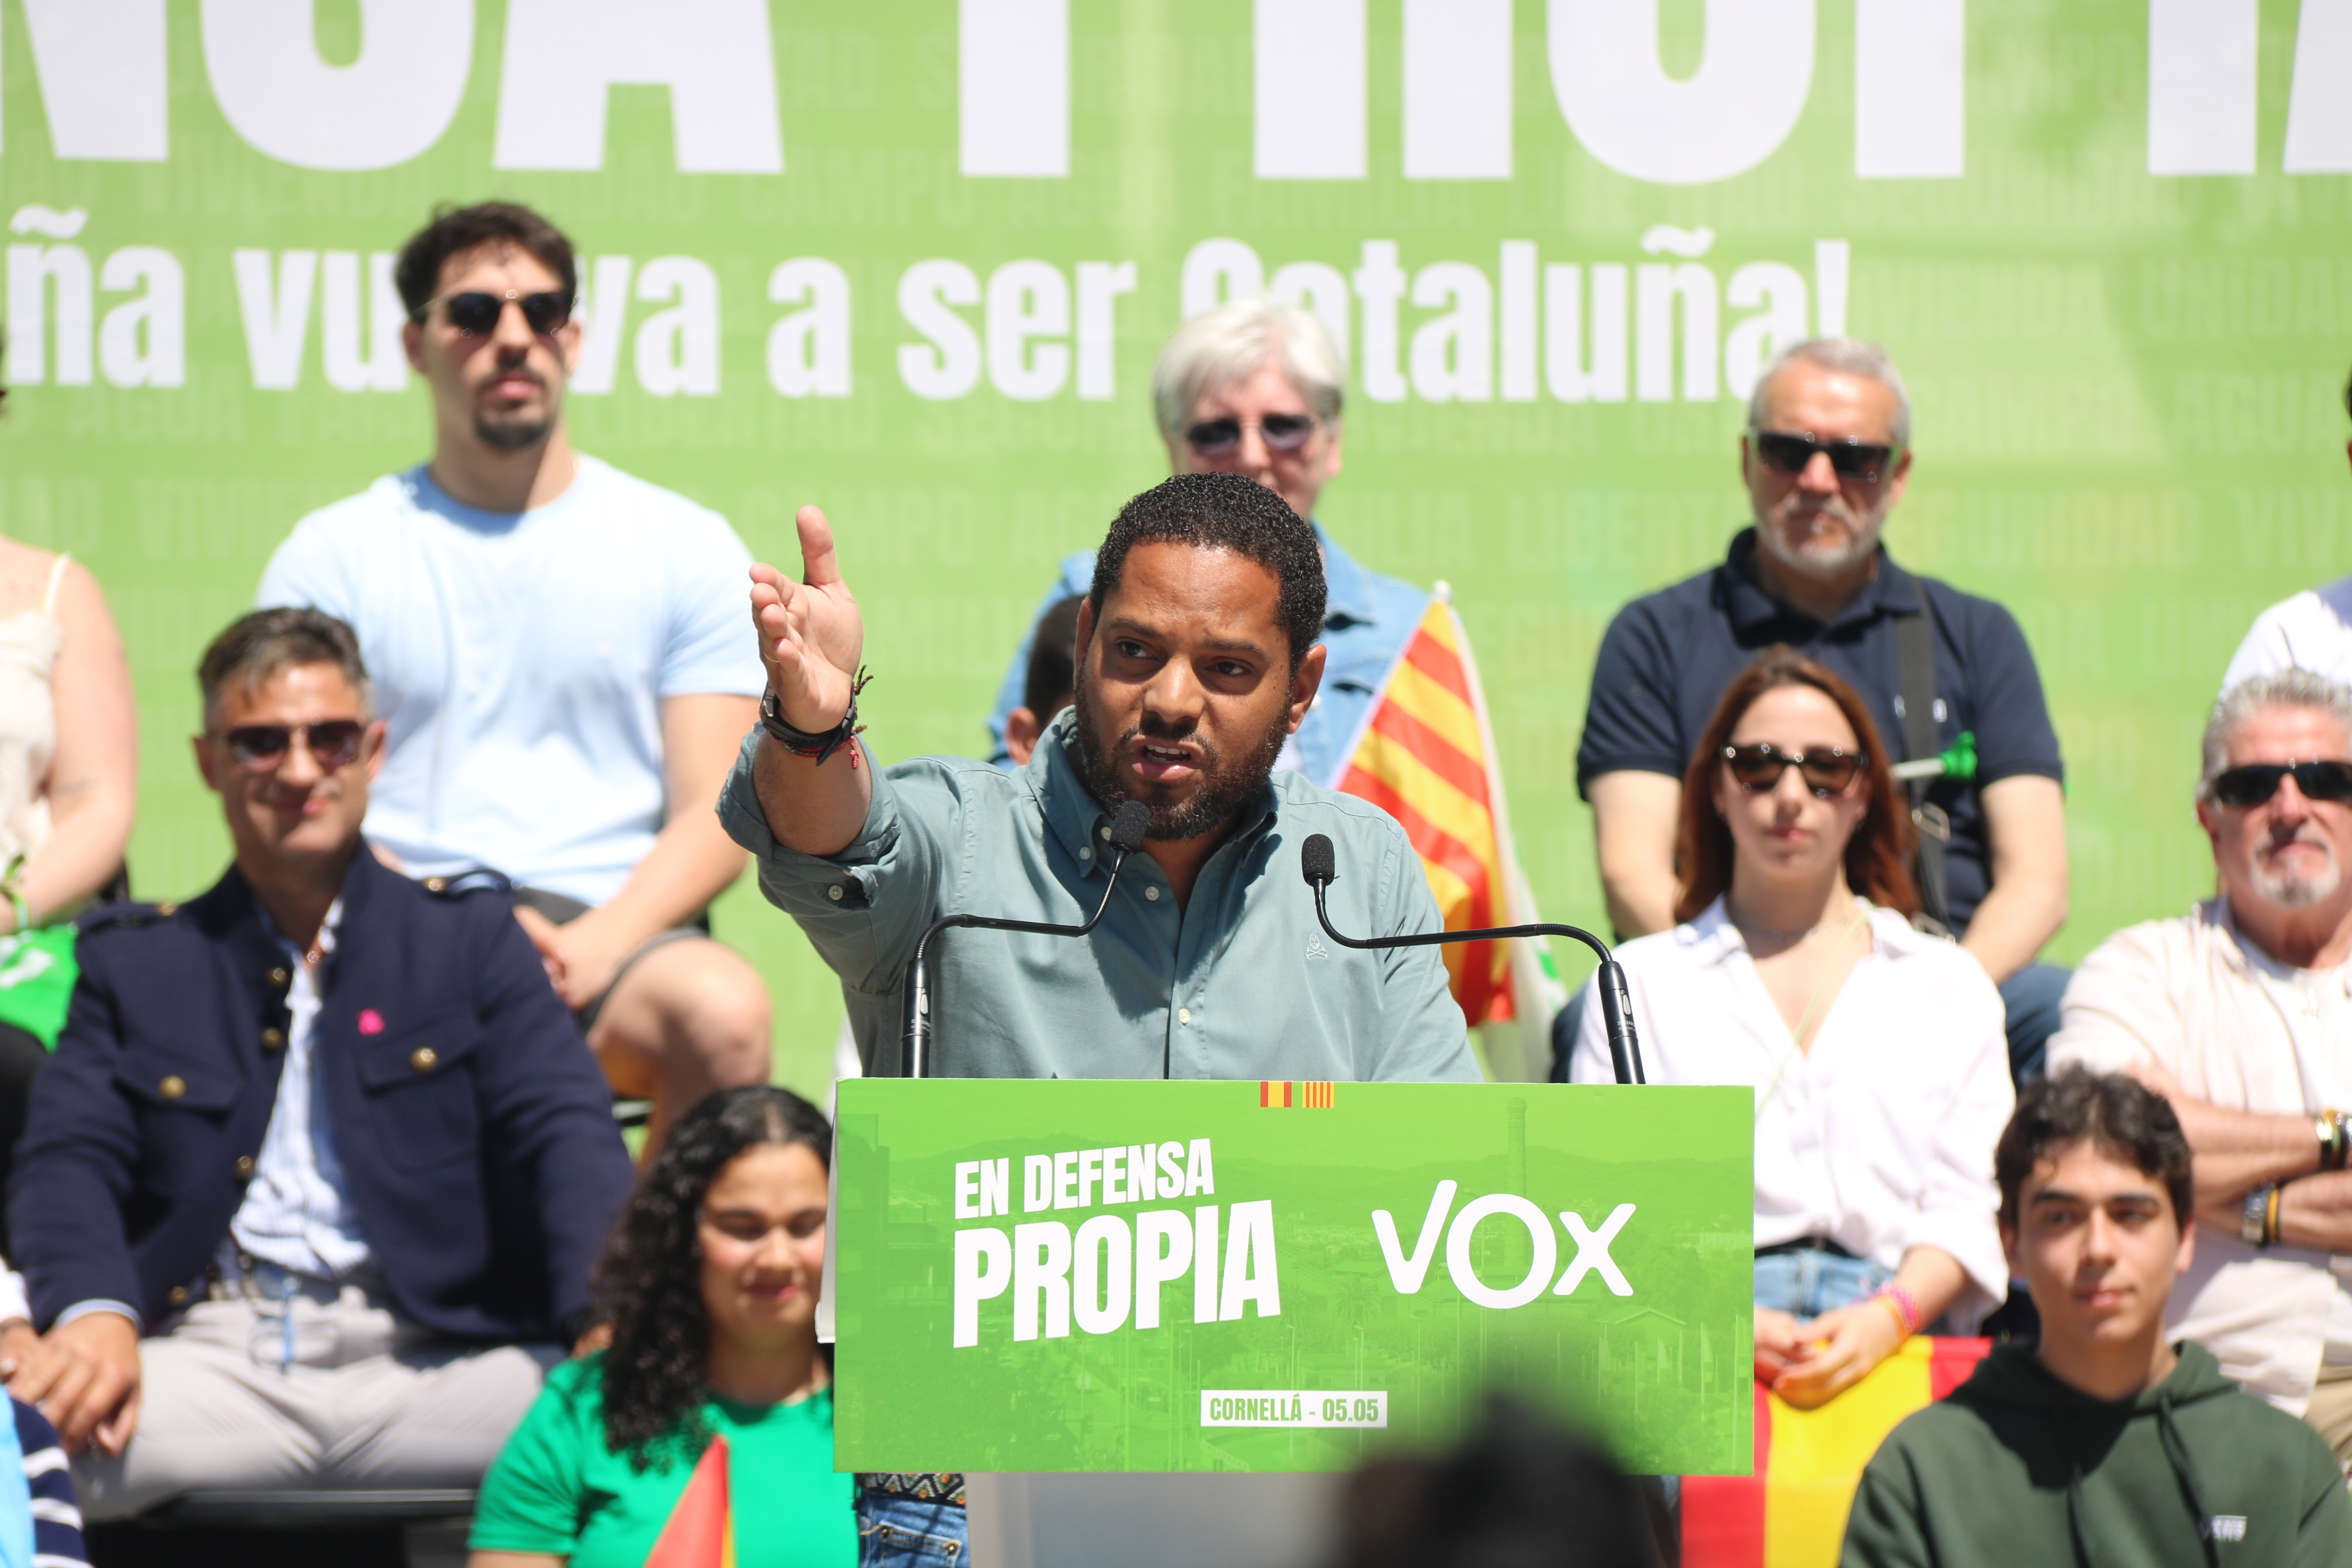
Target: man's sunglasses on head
1284	433
2256	782
1864	462
332	744
1758	768
477	314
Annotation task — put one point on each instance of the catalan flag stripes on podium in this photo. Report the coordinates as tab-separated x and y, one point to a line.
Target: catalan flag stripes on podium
1426	757
1279	1094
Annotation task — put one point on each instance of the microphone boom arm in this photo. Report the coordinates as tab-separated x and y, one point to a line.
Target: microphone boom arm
1126	836
1616	1001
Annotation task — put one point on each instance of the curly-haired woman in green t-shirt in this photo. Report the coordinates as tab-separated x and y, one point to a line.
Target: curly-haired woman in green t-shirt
709	1420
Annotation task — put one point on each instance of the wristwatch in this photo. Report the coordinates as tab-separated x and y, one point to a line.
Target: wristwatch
2253	1224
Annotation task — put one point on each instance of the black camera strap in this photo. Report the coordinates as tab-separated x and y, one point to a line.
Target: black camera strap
1915	703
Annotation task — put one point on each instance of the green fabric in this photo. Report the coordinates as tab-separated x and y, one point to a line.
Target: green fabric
557	1488
37	971
1239	984
2017	1470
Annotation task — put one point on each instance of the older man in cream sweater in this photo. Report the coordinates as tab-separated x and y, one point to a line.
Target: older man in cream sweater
2241	1013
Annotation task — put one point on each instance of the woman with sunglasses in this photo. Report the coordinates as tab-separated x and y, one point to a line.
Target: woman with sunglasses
708	1422
1876	1052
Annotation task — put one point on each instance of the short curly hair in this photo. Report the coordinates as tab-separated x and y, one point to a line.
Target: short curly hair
2113	1111
649	1285
1224	511
457	231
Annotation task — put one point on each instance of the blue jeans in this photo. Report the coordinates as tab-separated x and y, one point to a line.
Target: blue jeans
2032	997
895	1531
1807	1284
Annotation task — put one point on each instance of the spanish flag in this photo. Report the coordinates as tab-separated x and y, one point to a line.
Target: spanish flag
1426	757
700	1531
1791	1513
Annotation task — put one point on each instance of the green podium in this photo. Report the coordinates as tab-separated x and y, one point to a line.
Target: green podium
1285	1275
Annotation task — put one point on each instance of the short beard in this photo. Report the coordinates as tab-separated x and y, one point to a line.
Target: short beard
1820	560
511	436
1224	787
2297	889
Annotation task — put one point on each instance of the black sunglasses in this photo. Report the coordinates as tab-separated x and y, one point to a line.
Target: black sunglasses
2257	782
1784	453
1284	433
332	744
1758	768
477	314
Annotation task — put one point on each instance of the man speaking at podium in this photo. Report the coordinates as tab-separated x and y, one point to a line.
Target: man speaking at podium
1196	656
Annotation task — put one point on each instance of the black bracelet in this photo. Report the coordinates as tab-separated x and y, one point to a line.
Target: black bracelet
820	744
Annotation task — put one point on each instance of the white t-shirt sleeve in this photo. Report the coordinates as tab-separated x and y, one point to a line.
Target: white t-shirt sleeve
2311	631
711	646
2266	649
307	569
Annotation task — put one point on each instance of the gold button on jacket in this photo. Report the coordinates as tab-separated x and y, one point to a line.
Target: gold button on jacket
173	1087
423	1058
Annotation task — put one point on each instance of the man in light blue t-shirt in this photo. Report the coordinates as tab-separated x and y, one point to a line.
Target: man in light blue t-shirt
555	645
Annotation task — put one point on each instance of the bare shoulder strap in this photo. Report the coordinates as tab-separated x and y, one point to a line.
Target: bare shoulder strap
57	575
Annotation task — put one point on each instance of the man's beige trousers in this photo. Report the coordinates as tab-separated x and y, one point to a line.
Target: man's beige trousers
368	1404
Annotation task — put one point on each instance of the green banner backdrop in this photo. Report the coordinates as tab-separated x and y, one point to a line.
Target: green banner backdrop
1285	1277
911	260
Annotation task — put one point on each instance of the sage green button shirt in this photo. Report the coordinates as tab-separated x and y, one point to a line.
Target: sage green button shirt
1241	983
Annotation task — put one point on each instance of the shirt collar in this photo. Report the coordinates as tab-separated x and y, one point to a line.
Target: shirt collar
1893	592
1713	938
1075	818
2248	956
1346	587
334	917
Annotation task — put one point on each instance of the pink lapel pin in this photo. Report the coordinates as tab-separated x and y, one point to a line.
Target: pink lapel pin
371	1021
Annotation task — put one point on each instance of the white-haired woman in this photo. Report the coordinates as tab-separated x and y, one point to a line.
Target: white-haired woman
1257	388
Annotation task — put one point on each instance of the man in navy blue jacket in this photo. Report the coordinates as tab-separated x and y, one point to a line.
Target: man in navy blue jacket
324	1135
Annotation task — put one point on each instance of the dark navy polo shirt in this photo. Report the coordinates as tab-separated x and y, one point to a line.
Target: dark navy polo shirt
1667	658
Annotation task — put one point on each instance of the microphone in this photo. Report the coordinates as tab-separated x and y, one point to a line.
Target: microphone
1319	864
1128	825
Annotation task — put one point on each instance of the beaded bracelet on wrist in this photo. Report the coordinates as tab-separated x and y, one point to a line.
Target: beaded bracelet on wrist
819	744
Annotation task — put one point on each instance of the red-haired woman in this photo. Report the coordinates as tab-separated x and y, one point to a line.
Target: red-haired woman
1876	1052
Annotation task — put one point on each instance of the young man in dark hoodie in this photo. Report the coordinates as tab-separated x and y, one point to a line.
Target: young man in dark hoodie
2102	1446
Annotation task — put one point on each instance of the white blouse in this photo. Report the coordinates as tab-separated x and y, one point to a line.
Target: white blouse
1881	1137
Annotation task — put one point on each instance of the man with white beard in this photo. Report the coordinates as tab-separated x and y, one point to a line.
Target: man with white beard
1826	457
2241	1014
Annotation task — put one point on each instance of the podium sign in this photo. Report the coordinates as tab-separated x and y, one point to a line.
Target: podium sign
1157	1277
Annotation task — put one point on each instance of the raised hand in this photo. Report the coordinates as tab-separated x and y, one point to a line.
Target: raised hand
811	634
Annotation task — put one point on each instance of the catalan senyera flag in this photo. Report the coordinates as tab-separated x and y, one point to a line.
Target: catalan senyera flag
1426	757
1791	1513
700	1530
